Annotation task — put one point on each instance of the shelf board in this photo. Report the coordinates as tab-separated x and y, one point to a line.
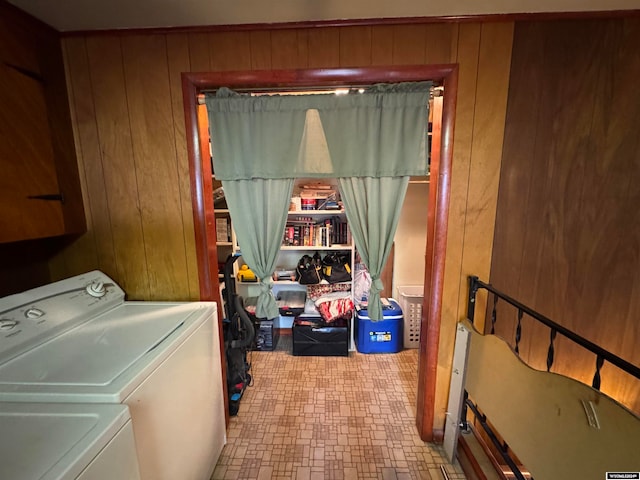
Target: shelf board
315	212
224	244
294	282
316	247
220	210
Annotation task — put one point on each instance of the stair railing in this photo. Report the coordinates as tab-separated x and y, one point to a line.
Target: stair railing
601	354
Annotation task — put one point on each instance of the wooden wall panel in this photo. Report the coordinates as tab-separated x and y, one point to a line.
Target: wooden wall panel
382	45
199	52
178	61
484	55
524	105
468	51
409	44
289	49
355	46
324	47
260	50
492	83
85	255
566	230
99	230
154	156
120	182
439	43
616	181
230	51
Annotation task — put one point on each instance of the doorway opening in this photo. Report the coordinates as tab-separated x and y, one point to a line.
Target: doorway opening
438	204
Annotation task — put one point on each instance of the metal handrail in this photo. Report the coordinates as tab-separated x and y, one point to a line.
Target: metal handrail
602	355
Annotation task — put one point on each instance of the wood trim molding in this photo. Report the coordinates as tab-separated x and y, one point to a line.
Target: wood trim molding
447	75
438	214
480	18
203	219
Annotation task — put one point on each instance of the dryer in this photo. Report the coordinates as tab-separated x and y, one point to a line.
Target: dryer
79	341
66	442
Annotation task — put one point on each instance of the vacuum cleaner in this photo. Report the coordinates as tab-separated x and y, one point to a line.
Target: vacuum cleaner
239	334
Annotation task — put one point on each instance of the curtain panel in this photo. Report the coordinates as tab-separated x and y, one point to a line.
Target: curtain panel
258	211
373	206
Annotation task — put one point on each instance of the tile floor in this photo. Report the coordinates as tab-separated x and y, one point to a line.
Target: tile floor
330	418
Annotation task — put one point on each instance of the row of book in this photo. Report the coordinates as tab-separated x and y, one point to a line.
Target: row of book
223	229
306	232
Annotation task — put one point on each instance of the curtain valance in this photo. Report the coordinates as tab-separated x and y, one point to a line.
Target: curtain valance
378	133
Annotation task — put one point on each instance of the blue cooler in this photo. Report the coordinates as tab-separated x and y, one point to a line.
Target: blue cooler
383	336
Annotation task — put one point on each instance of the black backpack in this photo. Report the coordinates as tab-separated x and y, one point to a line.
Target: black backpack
308	271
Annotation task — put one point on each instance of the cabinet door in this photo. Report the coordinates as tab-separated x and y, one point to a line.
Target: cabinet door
27	163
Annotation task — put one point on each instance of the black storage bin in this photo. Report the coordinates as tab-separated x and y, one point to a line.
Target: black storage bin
291	302
311	337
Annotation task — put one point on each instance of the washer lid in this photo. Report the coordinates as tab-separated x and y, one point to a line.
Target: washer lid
54	441
103	358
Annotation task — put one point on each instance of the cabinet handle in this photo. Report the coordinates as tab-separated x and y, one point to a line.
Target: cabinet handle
51	197
35	76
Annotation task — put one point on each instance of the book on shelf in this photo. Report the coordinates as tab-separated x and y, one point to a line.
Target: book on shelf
307	232
223	230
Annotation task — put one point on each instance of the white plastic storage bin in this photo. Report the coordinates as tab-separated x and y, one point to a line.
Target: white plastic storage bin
411	297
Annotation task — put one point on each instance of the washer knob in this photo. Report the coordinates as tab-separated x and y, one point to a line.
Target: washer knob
33	313
96	289
6	324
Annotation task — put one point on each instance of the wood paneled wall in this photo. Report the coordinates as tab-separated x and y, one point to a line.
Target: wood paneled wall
567	238
129	126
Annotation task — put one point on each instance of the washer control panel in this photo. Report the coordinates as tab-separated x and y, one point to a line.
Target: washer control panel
32	317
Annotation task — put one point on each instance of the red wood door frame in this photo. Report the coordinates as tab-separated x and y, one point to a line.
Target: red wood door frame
438	209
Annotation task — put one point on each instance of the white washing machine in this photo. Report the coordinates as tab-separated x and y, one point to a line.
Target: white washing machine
66	442
79	341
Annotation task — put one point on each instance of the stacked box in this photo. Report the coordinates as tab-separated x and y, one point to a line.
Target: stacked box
266	335
382	336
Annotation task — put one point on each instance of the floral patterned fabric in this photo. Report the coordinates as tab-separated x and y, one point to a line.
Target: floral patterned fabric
334	306
314	292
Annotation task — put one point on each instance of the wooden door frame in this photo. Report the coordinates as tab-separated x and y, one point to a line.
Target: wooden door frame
438	209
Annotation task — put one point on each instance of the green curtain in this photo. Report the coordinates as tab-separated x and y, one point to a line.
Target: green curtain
372	206
375	140
258	210
378	133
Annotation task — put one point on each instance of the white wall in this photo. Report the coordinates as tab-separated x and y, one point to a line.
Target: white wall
411	238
